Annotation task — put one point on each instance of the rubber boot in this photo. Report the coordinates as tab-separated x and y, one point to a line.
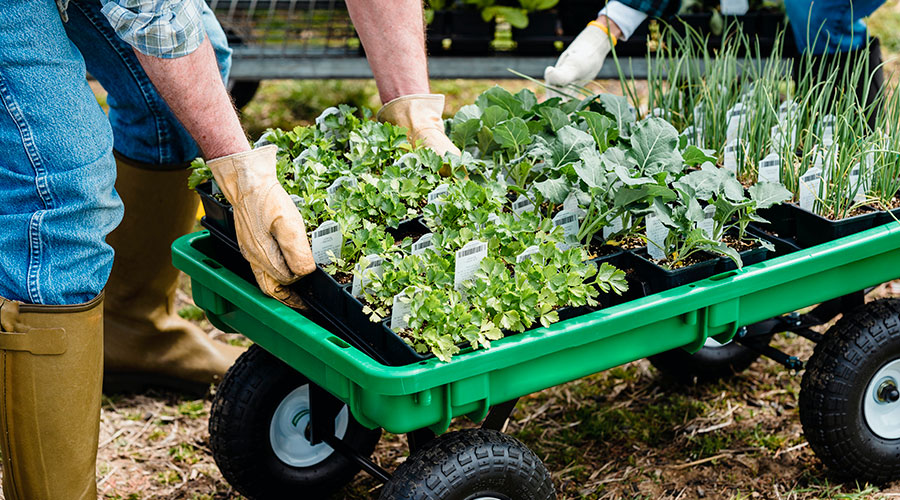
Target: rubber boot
147	344
873	73
51	364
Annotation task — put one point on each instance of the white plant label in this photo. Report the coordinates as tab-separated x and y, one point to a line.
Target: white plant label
571	204
827	128
770	169
493	218
522	205
613	227
327	237
527	253
344	180
658	112
698	116
468	258
735	119
656	237
422	244
730	162
362	276
735	7
298	201
401	309
854	185
809	187
437	193
569	222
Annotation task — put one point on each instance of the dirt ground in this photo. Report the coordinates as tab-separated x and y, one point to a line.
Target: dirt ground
625	433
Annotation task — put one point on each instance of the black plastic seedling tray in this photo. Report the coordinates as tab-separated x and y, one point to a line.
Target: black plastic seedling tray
813	229
658	278
781	220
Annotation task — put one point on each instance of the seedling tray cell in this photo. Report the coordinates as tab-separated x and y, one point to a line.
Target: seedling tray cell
659	278
813	229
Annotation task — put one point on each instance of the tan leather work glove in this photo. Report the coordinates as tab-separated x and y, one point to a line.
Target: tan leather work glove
421	115
270	230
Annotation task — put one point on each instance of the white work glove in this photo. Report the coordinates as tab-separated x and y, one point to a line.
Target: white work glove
582	60
421	115
270	229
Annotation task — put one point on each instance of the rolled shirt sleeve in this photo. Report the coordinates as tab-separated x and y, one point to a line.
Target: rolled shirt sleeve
626	18
159	28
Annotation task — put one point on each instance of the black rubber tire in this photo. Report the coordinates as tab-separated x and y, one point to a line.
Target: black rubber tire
706	365
834	385
239	423
471	464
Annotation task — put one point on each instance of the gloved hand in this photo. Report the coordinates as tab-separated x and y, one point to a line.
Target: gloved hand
270	230
421	115
582	60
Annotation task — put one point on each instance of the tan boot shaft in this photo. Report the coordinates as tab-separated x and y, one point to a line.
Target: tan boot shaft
51	362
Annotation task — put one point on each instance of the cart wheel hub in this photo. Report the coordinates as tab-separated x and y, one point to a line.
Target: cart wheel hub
880	407
289	431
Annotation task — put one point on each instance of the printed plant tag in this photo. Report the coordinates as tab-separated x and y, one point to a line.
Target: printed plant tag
691	134
527	253
827	128
344	180
613	227
656	237
327	237
494	218
569	222
362	276
770	169
422	244
298	201
809	187
522	205
735	7
468	258
730	161
735	118
437	193
401	309
658	112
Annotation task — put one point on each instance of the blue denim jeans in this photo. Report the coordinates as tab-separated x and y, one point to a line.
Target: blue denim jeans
828	26
57	171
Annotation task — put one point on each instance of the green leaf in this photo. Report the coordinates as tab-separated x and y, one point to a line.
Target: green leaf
569	144
553	190
600	127
494	115
554	118
518	18
463	134
591	169
766	194
694	156
498	96
654	147
617	107
512	134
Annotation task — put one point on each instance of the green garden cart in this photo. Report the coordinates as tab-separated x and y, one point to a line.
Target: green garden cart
301	412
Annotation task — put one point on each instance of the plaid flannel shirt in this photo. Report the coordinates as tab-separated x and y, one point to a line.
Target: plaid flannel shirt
159	28
655	8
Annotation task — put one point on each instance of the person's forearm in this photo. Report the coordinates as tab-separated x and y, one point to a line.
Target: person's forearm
611	26
393	34
193	88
